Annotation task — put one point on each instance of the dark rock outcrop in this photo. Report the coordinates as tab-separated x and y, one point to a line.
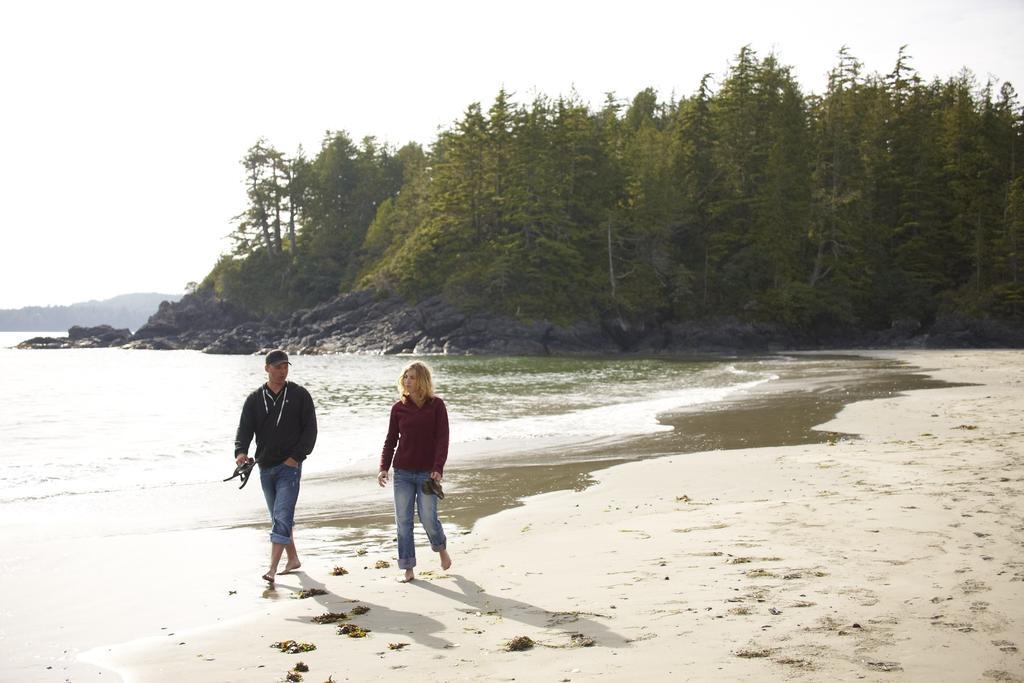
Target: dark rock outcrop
45	343
725	335
376	323
197	321
101	336
964	332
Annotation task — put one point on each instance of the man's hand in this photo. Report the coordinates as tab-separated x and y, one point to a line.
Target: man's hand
382	478
241	459
291	462
436	476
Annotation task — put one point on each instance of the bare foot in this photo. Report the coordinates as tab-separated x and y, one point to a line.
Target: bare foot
409	576
289	568
446	560
269	578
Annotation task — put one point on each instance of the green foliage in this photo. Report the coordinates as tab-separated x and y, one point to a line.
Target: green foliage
245	281
299	240
884	198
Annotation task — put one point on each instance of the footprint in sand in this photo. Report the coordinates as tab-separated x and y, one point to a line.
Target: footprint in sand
796	662
962	627
831	624
863	596
973	586
1005	645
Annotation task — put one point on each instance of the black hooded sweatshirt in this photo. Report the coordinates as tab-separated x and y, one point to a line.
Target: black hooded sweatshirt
284	426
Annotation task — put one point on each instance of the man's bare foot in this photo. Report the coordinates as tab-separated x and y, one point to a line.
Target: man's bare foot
409	576
289	568
446	560
269	578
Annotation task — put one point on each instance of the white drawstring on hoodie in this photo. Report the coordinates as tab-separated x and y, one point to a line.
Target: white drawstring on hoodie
284	399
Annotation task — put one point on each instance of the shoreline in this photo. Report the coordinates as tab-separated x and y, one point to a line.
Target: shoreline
783	413
847	558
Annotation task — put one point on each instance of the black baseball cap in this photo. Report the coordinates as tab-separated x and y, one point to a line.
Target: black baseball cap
276	357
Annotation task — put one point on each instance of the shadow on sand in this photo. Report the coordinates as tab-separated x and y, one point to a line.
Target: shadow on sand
566	624
468	598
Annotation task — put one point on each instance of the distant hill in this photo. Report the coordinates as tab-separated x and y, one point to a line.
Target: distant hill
127	310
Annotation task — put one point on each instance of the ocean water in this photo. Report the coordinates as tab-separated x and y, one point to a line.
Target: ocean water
102	421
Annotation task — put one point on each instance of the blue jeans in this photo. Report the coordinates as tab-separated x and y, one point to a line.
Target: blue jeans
409	489
281	489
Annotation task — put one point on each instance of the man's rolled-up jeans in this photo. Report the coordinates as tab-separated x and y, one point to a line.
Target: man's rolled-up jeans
281	489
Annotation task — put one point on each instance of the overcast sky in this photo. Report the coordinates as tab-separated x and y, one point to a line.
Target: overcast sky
122	123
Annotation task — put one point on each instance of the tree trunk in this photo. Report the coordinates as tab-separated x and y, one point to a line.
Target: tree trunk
611	263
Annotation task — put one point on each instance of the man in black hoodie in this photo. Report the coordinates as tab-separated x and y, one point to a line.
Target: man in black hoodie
280	415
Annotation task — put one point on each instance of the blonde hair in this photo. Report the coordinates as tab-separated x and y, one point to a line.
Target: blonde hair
423	382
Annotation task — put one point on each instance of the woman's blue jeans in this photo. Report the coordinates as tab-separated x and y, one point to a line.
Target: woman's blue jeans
281	489
409	491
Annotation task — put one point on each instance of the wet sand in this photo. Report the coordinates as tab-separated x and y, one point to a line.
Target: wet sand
892	555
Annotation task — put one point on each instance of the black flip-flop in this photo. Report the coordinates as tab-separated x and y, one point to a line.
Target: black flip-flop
243	471
433	486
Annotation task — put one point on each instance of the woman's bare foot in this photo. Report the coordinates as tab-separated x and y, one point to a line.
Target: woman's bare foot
446	560
269	578
291	567
409	576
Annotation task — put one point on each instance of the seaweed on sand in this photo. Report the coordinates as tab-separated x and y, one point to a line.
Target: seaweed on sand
352	631
329	617
519	643
292	647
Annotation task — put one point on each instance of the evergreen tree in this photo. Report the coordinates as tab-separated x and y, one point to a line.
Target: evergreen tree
697	183
840	197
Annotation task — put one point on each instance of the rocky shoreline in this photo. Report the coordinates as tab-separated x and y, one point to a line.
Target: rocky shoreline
370	322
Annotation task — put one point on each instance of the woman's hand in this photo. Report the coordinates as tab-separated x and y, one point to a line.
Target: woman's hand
382	478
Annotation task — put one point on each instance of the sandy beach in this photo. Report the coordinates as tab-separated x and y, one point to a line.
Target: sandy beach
895	554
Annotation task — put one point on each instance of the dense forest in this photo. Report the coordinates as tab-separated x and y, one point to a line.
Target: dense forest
883	200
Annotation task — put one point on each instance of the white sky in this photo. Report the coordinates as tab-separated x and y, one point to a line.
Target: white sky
122	123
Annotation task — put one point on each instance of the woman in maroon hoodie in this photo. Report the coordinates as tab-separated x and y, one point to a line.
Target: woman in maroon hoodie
419	428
